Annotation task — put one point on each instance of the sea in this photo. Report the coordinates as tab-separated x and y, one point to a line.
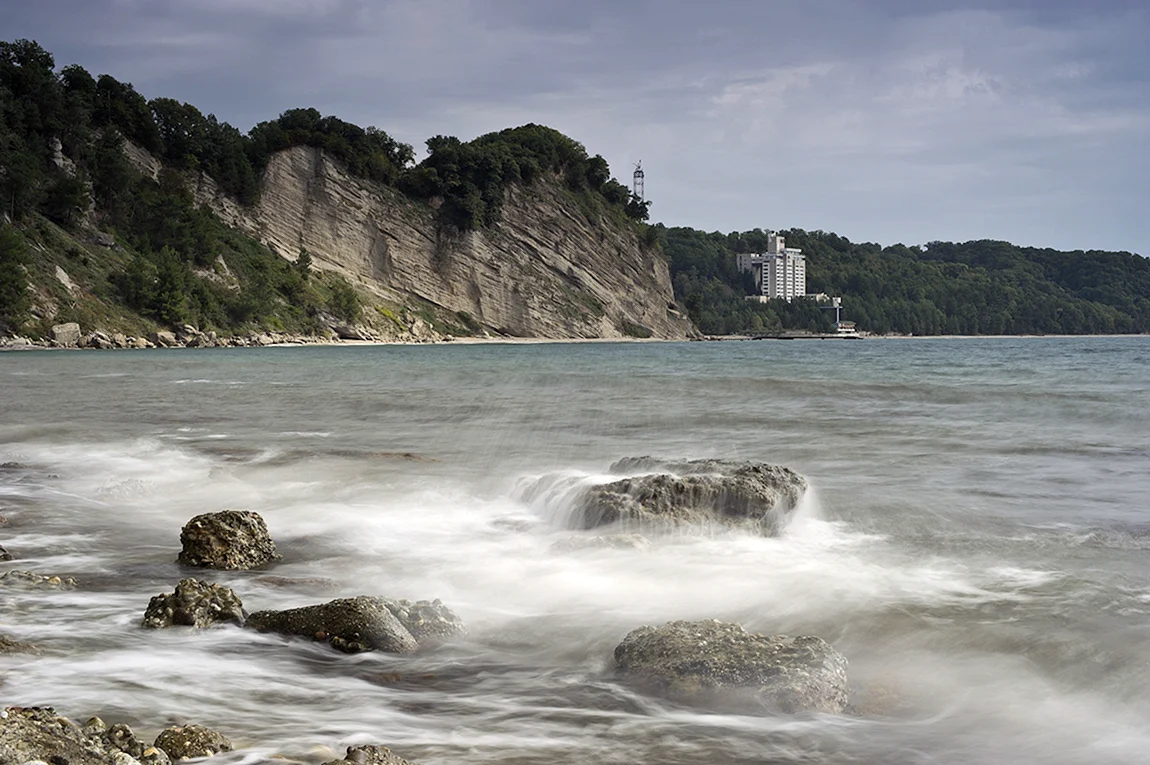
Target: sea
976	542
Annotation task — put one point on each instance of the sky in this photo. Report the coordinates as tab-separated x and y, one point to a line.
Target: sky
883	120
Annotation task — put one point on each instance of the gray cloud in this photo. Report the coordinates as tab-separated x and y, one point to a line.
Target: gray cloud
889	121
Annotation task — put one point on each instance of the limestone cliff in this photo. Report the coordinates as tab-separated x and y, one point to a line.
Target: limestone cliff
548	269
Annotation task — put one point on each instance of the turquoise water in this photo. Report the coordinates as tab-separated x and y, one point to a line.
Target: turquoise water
977	541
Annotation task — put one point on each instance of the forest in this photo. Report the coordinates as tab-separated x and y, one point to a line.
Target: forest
980	287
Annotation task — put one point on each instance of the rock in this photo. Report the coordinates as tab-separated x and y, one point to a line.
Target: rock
32	580
352	625
4	554
37	733
672	494
194	604
98	340
188	741
12	645
427	621
154	756
720	664
370	754
120	340
103	239
164	339
63	278
235	540
603	542
116	738
66	335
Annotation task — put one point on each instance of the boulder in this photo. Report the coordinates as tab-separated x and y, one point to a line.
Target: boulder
427	621
671	494
66	335
370	755
234	540
4	554
195	603
720	664
38	733
351	625
98	340
164	339
188	741
32	580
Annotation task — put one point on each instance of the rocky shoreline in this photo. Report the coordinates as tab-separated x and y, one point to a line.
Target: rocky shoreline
708	664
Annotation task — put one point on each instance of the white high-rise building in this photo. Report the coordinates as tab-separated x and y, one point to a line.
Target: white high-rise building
780	272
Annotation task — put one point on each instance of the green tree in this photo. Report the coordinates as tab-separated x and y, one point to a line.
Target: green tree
15	299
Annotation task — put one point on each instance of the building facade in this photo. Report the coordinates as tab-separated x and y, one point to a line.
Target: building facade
780	272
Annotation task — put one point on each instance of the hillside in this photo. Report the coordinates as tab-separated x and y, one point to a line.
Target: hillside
131	216
979	287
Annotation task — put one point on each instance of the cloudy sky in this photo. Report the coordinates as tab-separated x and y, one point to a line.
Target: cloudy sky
882	120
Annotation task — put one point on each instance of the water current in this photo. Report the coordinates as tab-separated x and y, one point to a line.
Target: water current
976	542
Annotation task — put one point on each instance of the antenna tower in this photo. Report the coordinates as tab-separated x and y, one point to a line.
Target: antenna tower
637	181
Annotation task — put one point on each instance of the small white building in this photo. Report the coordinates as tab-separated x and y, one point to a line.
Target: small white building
780	272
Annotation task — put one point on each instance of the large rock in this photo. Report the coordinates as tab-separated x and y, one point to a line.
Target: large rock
195	603
38	733
720	664
351	625
4	554
66	335
235	540
370	754
187	741
671	494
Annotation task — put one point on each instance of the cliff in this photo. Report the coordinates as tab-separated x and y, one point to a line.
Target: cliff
548	269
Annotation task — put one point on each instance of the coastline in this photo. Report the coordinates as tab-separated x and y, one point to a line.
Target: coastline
18	343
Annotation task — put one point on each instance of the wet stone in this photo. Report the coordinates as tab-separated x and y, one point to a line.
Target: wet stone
194	603
370	754
719	664
351	625
233	540
32	580
188	741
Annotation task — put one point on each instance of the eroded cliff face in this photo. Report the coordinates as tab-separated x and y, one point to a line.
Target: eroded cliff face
546	270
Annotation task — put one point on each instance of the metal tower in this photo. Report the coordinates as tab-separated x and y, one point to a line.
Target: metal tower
637	181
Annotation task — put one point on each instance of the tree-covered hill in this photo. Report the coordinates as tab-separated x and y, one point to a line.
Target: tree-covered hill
979	287
64	172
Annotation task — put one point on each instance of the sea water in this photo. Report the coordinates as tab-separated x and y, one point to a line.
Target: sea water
976	542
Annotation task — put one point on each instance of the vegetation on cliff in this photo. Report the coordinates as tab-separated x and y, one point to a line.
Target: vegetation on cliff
64	174
979	287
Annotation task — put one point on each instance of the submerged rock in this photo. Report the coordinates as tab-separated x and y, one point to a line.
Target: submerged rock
720	664
235	540
603	542
370	755
12	645
426	620
187	741
194	604
32	580
671	494
4	554
351	625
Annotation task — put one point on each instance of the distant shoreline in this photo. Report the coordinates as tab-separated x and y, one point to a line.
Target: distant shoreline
8	346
